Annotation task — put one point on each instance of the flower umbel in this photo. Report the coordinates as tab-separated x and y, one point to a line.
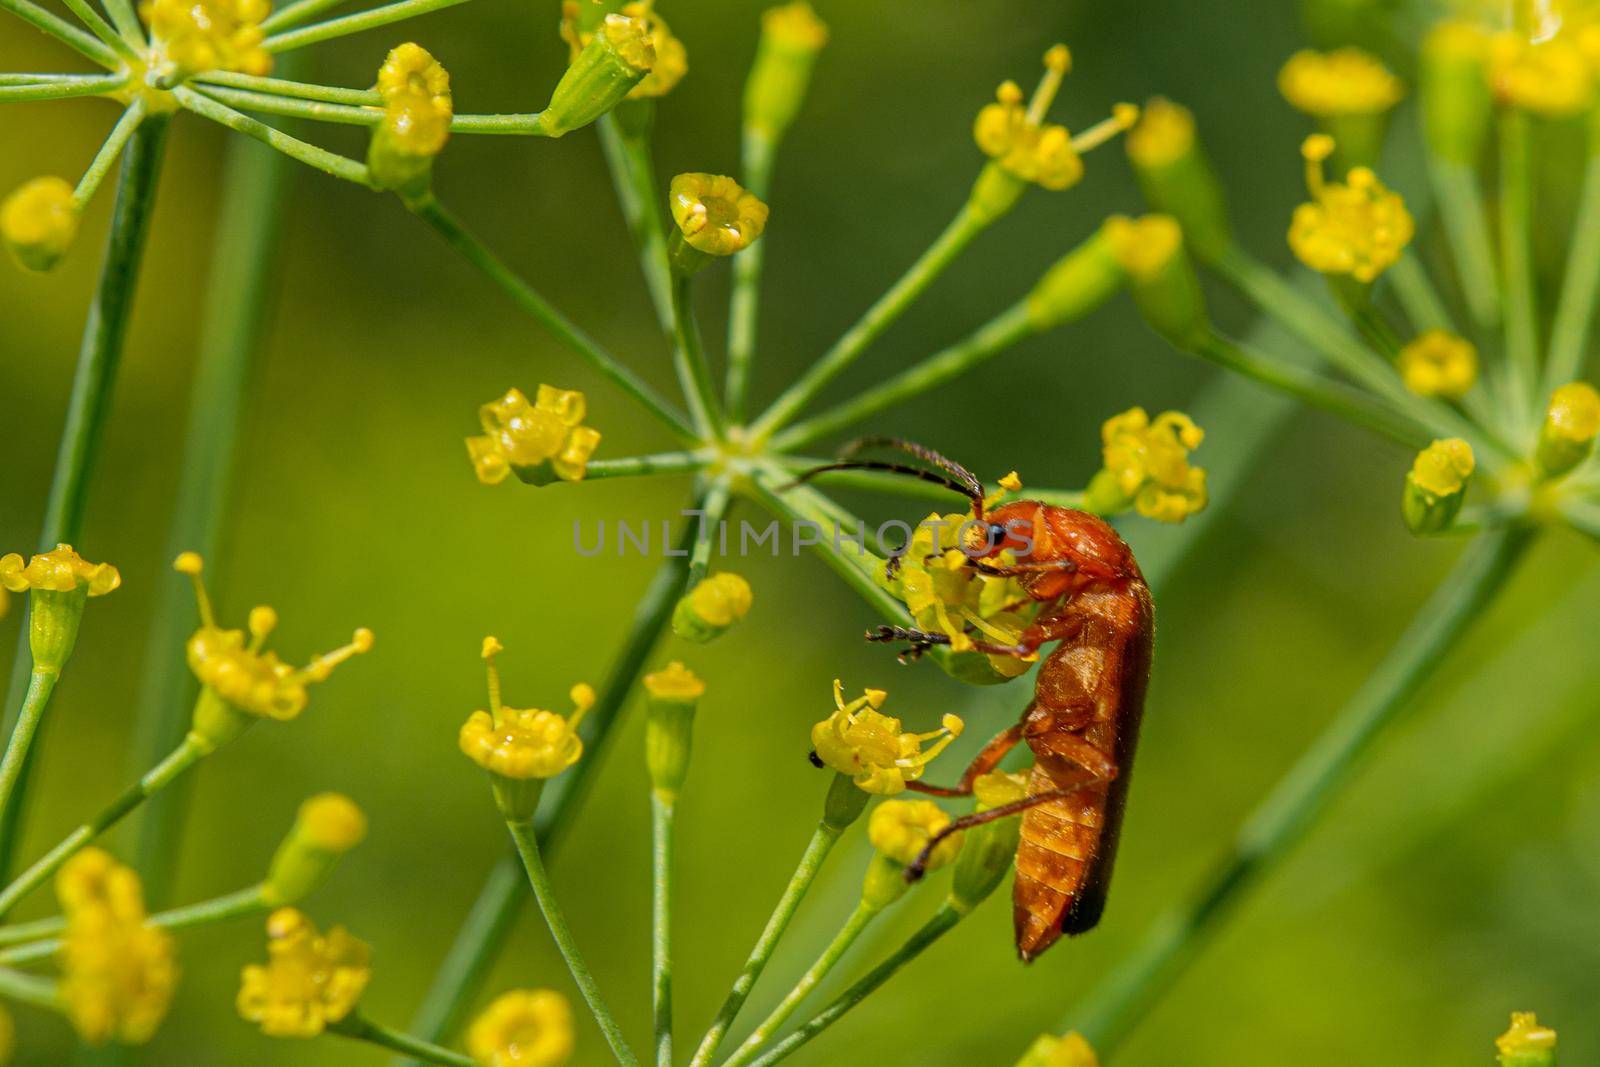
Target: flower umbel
310	979
118	971
1147	466
539	442
196	35
1439	363
1356	227
38	222
860	741
1341	82
523	1028
523	743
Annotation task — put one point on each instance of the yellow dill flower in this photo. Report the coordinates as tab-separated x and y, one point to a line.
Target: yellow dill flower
328	825
1570	424
714	213
417	109
1071	1049
1032	150
860	741
901	829
523	1028
196	35
1151	252
1176	177
539	442
60	570
1164	134
1147	466
1356	227
672	59
1525	1043
118	971
1434	486
1345	81
675	683
1439	363
674	695
523	743
38	222
240	672
711	607
1553	77
310	979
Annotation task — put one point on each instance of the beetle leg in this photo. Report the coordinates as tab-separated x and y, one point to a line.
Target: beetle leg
918	867
921	640
1026	567
981	765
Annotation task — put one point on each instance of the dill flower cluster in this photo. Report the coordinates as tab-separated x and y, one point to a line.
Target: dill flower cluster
198	35
310	979
523	743
1439	363
523	1028
860	741
1356	228
540	442
1147	466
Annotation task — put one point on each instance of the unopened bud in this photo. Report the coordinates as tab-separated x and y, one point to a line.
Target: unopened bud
616	59
1177	179
1076	285
1071	1049
1161	277
674	694
1457	106
713	606
1526	1043
791	37
990	848
1435	486
328	826
38	222
1570	424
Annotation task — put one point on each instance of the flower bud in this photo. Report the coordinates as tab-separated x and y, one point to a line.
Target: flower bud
327	826
38	222
417	109
1163	281
791	37
1177	179
901	829
1071	1049
1435	484
990	849
711	607
1439	363
523	1028
1457	107
1076	285
58	583
1570	424
615	60
1526	1043
1350	94
674	694
884	883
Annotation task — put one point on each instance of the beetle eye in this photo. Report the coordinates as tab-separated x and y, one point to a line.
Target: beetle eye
997	536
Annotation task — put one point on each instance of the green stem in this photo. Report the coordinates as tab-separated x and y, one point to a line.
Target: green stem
987	341
114	143
627	152
817	849
527	842
1569	334
1516	250
1290	810
239	295
102	29
85	44
28	989
1417	295
296	12
529	301
483	934
359	1028
713	508
940	924
1466	225
1313	389
689	358
105	332
967	224
847	935
316	106
662	811
44	941
41	683
646	466
126	20
288	87
364	20
62	89
182	758
330	163
756	157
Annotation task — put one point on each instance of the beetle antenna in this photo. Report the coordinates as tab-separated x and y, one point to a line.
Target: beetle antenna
970	486
876	465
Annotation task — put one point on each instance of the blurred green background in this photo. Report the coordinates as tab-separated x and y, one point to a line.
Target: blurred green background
1457	881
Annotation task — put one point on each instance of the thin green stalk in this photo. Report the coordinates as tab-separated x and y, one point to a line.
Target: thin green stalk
114	143
96	85
85	44
102	29
662	811
457	236
466	966
104	335
41	683
288	87
1313	389
756	156
527	841
364	20
43	939
330	163
25	78
1289	811
847	935
713	508
647	466
967	224
296	12
157	778
29	989
1516	251
1466	225
627	152
1416	292
126	20
689	358
240	293
356	112
360	1028
940	924
1569	334
987	341
817	849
